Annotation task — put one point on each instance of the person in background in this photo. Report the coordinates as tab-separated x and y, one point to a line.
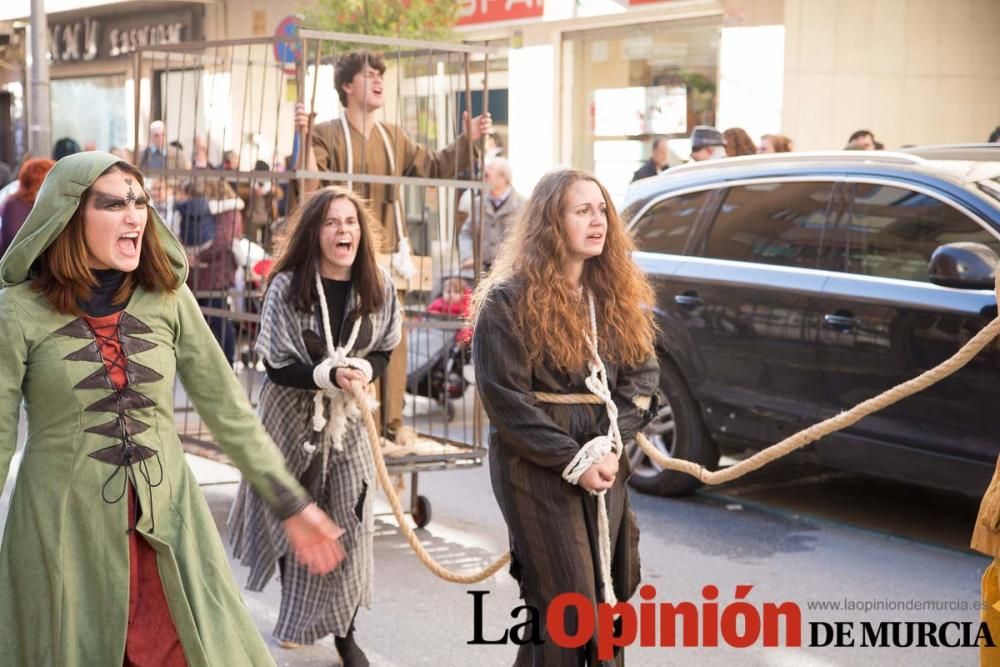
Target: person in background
455	302
455	299
706	143
775	143
230	161
16	209
64	147
158	155
261	198
502	205
862	140
213	263
7	191
738	142
657	161
200	158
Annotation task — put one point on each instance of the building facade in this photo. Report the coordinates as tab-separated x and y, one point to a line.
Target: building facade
586	83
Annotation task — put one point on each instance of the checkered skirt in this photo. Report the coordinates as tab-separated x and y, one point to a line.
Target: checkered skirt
311	606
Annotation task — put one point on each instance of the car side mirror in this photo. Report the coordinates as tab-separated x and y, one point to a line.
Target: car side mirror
964	265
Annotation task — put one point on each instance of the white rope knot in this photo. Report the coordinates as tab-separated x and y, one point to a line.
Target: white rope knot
331	424
592	452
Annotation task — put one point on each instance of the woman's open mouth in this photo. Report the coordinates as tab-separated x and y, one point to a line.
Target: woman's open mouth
343	248
596	237
128	243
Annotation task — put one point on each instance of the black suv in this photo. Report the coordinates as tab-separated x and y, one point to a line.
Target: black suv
791	287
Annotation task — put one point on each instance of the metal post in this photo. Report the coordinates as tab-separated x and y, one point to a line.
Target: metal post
40	122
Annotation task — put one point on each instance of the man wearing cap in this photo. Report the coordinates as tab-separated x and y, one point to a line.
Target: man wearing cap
706	143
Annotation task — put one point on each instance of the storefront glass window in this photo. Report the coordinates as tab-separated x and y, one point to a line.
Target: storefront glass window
629	84
92	109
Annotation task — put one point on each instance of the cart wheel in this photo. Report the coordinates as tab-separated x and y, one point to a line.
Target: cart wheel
421	512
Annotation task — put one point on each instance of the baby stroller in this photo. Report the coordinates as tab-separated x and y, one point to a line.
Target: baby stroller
437	355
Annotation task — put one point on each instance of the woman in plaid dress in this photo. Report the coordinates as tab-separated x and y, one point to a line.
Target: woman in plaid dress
329	322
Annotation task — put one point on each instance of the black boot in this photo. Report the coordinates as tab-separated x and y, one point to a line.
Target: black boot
350	653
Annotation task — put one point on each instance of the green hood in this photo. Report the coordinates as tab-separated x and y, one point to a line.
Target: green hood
55	204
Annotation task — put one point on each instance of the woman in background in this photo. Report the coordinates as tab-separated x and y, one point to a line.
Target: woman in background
17	207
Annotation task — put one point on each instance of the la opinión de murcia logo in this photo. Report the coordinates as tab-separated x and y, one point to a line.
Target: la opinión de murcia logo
572	621
737	623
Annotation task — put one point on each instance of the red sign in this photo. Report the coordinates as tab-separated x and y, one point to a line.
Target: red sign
489	11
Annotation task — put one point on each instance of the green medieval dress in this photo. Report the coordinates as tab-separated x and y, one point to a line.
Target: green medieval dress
64	560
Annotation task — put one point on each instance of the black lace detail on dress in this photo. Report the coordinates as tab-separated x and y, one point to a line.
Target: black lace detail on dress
128	457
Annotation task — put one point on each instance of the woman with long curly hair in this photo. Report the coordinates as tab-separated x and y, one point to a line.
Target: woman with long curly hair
566	311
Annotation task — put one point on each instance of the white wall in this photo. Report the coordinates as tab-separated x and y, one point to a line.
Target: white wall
913	71
751	79
532	131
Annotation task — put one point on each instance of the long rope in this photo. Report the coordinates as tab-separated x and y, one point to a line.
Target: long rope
758	460
404	525
816	431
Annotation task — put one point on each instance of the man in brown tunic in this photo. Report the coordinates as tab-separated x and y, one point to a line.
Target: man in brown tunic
381	148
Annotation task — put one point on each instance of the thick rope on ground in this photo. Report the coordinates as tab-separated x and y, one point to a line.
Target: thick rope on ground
397	510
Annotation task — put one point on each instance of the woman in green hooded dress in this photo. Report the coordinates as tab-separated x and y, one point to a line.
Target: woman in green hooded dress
110	555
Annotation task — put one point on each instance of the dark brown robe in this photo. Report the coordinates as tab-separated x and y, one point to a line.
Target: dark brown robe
552	523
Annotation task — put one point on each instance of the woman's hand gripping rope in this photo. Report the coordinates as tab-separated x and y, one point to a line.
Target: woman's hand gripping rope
600	476
438	570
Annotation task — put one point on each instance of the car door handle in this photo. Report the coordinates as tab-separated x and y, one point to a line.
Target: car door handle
688	300
841	321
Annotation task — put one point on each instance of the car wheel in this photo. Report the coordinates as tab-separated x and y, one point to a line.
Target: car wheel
678	431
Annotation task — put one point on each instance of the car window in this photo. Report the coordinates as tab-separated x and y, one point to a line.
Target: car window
891	232
771	223
665	227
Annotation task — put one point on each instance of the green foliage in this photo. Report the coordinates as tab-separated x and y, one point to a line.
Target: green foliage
698	82
413	19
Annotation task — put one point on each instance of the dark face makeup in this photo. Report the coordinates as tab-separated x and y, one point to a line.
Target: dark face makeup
114	222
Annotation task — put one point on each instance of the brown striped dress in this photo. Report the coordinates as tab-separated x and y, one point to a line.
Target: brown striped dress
553	524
